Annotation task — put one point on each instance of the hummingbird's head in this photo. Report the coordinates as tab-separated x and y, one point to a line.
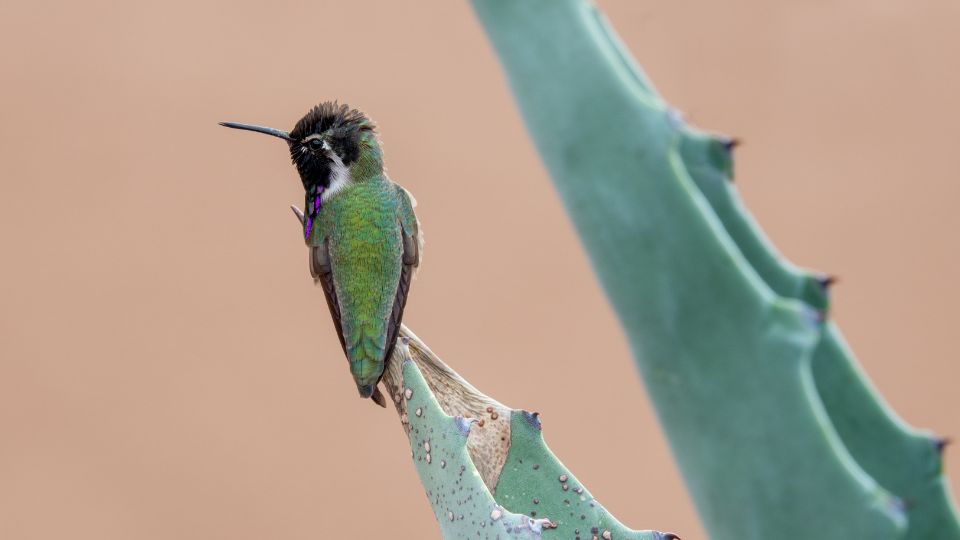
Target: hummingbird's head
331	146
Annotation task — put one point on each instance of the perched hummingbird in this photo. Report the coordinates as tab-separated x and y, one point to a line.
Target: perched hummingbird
361	231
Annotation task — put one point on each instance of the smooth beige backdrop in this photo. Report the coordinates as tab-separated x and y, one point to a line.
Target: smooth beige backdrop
167	368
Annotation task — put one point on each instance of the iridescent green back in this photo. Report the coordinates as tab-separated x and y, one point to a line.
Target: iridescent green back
364	241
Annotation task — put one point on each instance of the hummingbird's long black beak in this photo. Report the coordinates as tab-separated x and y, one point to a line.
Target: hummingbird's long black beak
259	129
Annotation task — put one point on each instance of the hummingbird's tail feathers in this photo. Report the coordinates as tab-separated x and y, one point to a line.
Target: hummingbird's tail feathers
372	391
366	390
365	351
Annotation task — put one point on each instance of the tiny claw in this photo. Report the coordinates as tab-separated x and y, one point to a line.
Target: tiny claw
730	143
667	536
297	212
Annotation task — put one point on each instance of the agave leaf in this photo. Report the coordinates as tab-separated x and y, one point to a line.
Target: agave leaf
461	502
526	491
904	460
726	357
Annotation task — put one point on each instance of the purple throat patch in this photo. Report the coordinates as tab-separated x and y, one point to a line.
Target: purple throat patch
312	212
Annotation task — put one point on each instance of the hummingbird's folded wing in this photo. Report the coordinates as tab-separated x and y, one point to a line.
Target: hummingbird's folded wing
323	276
410	260
411	240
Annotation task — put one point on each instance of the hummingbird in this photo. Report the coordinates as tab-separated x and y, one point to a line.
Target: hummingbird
360	229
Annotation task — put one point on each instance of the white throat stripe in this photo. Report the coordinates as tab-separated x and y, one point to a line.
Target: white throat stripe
339	176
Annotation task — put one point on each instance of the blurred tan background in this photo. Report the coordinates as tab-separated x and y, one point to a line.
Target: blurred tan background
167	368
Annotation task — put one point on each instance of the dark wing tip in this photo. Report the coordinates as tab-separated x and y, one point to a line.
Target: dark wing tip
378	398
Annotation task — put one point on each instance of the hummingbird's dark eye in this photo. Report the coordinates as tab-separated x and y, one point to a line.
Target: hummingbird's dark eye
316	144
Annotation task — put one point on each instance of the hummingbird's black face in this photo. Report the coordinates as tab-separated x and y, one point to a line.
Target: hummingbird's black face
326	142
323	144
313	164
